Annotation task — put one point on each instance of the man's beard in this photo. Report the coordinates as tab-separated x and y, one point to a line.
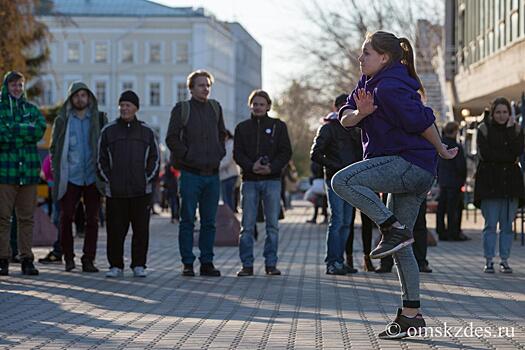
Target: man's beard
80	106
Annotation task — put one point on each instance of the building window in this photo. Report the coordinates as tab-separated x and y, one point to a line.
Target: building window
514	26
182	92
101	92
73	52
127	53
127	85
155	53
47	95
101	52
183	53
154	94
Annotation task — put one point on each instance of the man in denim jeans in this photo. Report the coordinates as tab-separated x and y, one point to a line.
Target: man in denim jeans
196	140
262	149
334	148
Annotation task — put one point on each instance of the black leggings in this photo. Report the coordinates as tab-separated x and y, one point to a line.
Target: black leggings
366	235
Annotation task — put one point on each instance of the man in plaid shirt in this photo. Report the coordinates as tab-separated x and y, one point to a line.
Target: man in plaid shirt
21	127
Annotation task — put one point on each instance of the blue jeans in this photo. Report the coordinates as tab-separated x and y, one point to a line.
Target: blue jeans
338	228
270	192
227	189
201	190
407	186
502	210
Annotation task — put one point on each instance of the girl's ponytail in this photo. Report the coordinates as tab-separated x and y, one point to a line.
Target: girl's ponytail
408	60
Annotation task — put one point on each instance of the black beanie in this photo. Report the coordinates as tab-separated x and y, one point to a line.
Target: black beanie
129	96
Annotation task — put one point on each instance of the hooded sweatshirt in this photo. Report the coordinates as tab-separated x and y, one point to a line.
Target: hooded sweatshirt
21	127
395	127
60	143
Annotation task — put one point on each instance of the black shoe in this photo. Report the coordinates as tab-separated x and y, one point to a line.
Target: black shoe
392	240
349	266
443	238
15	259
461	238
28	268
504	267
383	269
245	271
51	258
425	268
207	269
489	268
187	270
88	266
311	221
333	270
367	264
4	267
403	326
70	265
272	271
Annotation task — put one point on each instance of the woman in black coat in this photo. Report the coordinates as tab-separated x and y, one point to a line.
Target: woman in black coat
499	188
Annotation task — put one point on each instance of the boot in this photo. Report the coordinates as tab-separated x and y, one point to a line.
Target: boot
28	268
349	266
4	267
367	264
88	266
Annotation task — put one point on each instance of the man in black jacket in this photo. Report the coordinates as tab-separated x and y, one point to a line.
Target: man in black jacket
195	138
262	149
128	161
335	147
451	177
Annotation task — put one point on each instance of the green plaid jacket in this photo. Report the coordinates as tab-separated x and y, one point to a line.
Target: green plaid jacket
21	127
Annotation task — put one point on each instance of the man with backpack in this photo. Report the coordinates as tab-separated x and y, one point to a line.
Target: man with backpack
74	143
195	138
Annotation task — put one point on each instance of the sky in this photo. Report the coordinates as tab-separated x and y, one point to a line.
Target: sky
271	22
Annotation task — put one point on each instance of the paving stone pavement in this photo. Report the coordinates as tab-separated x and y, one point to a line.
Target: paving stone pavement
302	309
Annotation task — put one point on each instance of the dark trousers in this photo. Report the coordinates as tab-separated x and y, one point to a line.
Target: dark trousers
366	235
120	213
68	206
420	240
448	203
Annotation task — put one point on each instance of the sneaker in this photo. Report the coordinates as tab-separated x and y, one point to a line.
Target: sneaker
272	271
70	265
51	258
392	240
333	270
139	271
28	268
114	272
88	266
245	271
207	269
504	267
187	270
489	268
403	326
4	267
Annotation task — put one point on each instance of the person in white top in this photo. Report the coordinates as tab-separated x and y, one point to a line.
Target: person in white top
228	173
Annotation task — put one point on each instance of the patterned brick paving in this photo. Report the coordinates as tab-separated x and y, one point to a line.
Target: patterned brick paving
302	309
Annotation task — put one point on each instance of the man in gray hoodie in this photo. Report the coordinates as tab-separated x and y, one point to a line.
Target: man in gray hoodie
73	150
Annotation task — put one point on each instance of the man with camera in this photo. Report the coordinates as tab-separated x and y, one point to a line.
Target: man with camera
262	149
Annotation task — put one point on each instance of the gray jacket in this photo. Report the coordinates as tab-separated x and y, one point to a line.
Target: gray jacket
60	143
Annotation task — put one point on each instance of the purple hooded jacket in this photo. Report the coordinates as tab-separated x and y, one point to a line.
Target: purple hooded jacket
395	127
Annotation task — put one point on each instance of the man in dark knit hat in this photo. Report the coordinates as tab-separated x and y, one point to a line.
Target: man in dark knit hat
128	162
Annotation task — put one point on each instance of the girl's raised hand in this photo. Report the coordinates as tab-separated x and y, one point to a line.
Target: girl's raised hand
364	101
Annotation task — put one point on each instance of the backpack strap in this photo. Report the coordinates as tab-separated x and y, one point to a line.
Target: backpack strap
216	108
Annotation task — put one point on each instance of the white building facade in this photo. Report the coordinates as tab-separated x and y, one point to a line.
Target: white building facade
149	48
